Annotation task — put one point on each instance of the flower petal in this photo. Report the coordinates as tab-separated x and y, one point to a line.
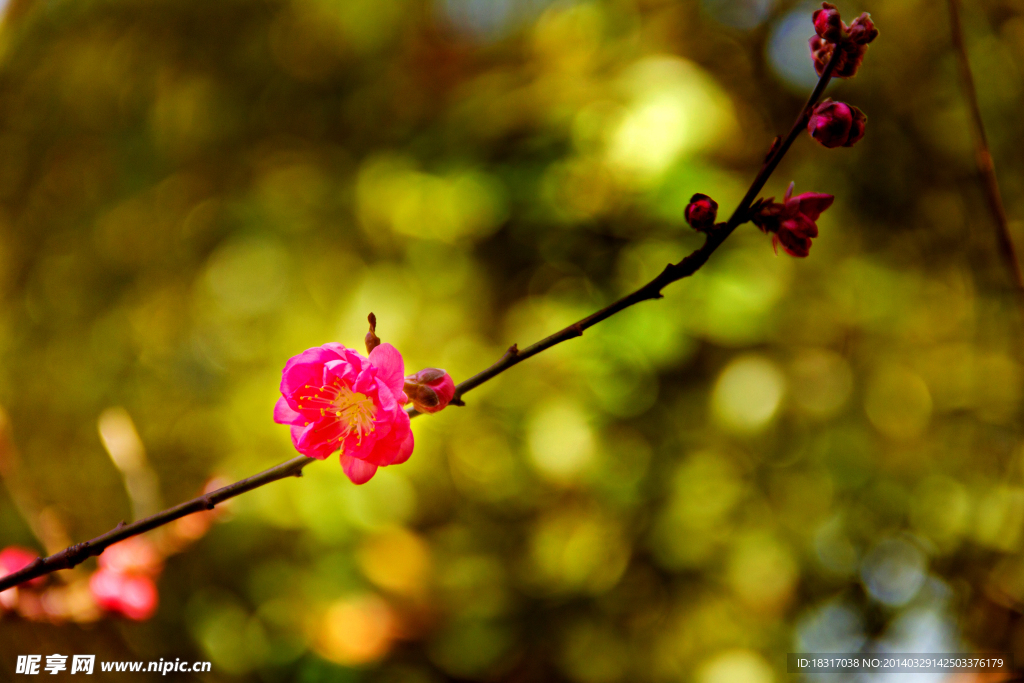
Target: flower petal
359	471
285	415
397	446
390	367
812	204
315	440
404	450
305	368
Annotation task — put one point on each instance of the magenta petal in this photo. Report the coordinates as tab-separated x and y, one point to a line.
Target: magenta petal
397	446
315	441
359	471
812	204
390	367
305	368
284	415
404	450
386	399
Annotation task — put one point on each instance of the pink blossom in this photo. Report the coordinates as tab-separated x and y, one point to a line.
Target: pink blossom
132	595
337	399
791	223
13	558
430	389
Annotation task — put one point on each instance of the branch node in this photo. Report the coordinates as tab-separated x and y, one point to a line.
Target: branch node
76	554
457	402
208	502
512	352
576	329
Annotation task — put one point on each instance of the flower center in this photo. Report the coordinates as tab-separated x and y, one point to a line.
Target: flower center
339	404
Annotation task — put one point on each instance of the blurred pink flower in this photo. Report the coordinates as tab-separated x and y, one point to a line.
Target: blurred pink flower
430	389
135	555
13	558
335	398
132	595
791	223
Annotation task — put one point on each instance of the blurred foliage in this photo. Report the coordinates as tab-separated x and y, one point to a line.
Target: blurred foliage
780	455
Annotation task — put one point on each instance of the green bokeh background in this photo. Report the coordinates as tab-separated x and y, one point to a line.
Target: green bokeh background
820	454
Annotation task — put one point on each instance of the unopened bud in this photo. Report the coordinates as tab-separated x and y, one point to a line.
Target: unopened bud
372	340
862	30
836	124
701	212
828	24
430	389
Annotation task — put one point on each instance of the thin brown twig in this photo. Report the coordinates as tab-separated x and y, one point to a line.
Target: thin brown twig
74	555
982	154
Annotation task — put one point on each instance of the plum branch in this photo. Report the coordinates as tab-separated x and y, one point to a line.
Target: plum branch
76	554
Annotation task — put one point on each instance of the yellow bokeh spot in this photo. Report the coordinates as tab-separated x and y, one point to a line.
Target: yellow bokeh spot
821	383
736	666
747	394
355	631
392	193
561	440
396	560
762	572
898	403
676	110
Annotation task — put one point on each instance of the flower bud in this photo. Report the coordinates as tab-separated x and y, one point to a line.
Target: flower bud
372	340
862	30
430	390
851	55
827	23
836	124
860	122
701	212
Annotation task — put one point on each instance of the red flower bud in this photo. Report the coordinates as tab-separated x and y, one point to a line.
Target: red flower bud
857	127
701	212
836	124
851	55
862	30
430	390
827	23
833	34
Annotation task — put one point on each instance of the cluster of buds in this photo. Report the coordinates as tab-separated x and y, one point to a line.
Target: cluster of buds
832	34
792	223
